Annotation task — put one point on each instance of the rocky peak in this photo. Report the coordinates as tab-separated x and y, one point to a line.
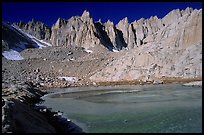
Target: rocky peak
99	21
171	17
140	21
153	18
15	39
123	26
109	23
85	16
170	47
76	31
33	20
124	20
59	23
35	28
188	10
20	24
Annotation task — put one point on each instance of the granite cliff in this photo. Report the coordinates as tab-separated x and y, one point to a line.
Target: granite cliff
162	48
146	50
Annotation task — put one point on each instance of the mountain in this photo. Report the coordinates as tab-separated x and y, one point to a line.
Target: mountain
79	52
82	31
146	49
36	29
170	47
15	40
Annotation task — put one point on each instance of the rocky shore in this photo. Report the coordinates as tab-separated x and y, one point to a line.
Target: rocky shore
21	114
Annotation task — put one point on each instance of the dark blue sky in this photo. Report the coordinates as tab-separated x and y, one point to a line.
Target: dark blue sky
49	12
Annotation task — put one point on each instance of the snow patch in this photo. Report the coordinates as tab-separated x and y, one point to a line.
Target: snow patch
69	79
12	55
114	50
88	51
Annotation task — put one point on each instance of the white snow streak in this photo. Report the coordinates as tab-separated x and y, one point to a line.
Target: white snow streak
40	43
48	44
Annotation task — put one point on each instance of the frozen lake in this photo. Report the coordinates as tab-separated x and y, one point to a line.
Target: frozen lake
140	109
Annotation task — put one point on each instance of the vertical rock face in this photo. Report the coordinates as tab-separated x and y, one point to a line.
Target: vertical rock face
177	27
184	31
56	33
103	35
123	27
82	31
111	32
167	47
143	31
171	17
13	39
170	46
36	29
115	35
77	31
192	31
85	17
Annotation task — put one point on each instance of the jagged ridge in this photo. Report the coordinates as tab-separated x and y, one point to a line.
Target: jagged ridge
82	31
167	47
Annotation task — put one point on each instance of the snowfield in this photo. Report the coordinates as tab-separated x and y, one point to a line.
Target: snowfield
12	55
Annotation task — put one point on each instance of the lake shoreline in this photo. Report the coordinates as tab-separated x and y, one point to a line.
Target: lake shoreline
48	114
189	82
113	88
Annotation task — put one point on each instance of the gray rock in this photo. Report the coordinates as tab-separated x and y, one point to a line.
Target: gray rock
36	29
76	31
156	48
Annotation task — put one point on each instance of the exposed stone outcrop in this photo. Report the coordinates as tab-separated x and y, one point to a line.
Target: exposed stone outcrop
22	112
36	29
82	31
123	27
111	33
13	39
115	35
143	31
77	31
167	47
169	50
17	114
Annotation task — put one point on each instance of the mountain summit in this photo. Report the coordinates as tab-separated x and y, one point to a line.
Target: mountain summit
145	49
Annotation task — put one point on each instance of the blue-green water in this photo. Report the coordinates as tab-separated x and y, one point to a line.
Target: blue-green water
139	109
